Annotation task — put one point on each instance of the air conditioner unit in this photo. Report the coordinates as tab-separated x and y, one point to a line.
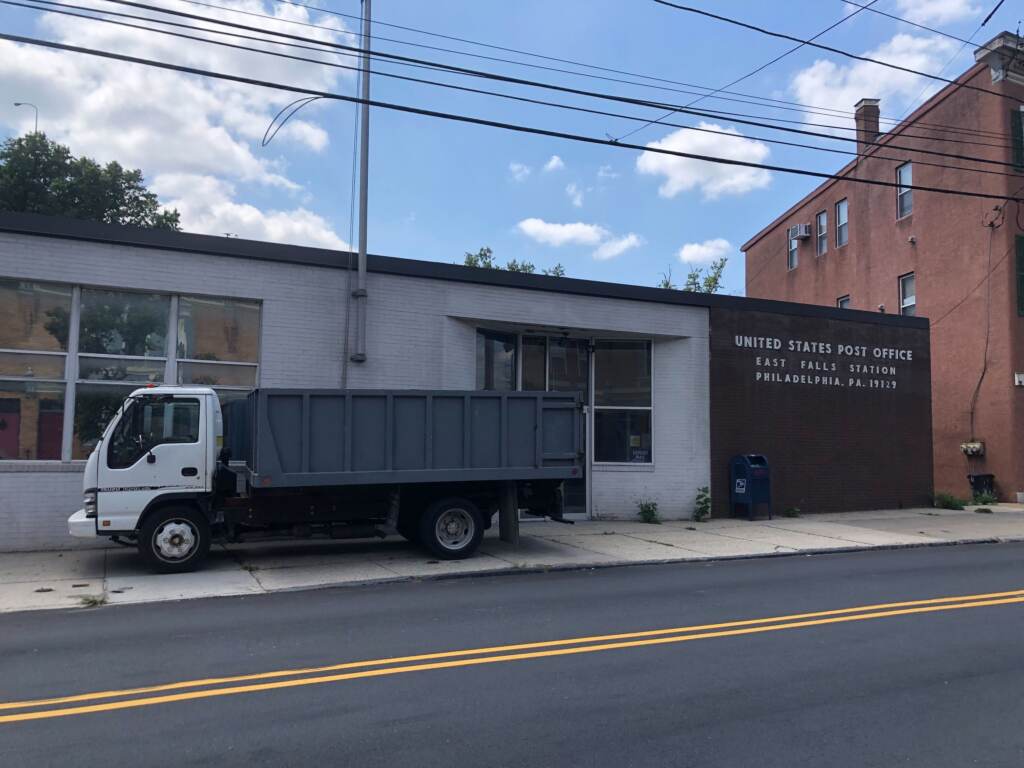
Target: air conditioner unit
799	231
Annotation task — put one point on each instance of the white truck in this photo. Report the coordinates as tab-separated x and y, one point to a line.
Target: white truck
431	465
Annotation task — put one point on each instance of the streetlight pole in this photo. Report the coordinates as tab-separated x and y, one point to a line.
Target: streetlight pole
29	104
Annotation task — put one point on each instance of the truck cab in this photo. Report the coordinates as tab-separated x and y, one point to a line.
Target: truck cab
159	452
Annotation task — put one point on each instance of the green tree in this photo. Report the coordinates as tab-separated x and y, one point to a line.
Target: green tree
38	175
699	279
484	259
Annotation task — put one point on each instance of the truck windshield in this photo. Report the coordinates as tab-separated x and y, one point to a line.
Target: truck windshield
151	421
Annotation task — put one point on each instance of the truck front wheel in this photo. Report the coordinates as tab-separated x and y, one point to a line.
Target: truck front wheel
174	540
452	528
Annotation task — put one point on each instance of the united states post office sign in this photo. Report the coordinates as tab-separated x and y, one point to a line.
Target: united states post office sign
822	362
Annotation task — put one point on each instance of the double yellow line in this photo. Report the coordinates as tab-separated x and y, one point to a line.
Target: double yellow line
129	698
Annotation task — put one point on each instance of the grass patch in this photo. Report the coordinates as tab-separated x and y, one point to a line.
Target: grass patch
648	510
985	498
93	601
702	507
943	500
791	512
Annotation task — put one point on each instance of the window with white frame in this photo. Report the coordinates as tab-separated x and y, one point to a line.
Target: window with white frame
904	192
69	356
34	326
622	402
843	302
792	252
821	233
842	223
908	295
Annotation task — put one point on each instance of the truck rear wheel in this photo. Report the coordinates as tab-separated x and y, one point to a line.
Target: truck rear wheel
452	528
174	540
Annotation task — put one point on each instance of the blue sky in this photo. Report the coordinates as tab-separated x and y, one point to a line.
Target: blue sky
439	189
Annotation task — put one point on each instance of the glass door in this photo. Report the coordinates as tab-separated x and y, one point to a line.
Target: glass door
561	364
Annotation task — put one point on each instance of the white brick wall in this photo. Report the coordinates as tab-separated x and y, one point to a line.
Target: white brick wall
421	334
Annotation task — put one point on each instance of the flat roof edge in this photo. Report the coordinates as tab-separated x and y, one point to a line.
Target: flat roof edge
56	227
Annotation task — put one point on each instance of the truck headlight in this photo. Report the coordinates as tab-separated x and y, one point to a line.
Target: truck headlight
89	502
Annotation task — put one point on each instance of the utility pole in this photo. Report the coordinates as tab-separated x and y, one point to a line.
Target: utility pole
359	294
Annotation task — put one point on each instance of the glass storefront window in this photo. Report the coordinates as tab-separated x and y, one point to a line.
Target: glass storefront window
495	361
212	329
622	436
139	370
25	365
535	354
569	362
34	316
622	402
31	420
122	323
214	375
622	373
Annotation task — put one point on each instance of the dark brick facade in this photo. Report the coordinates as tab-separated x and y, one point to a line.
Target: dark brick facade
849	429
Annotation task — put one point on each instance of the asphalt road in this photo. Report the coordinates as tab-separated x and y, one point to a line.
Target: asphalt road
932	683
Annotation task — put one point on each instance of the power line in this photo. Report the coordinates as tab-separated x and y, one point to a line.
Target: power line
547	86
905	21
847	54
761	101
753	72
299	103
470	120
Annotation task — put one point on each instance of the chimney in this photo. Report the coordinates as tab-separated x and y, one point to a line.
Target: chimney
866	116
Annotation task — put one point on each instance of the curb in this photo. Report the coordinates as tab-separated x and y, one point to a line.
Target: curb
568	567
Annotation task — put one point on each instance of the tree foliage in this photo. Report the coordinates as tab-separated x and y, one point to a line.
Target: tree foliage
38	175
699	279
484	259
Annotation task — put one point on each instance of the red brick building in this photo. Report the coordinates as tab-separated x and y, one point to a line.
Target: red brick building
957	260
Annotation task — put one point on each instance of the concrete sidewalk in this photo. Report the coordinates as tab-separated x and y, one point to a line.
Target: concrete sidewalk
77	578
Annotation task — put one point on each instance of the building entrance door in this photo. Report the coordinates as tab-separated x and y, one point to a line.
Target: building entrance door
561	364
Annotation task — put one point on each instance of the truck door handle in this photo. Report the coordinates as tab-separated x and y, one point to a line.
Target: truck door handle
189	471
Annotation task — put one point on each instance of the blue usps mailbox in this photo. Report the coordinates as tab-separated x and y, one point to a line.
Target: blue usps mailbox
749	484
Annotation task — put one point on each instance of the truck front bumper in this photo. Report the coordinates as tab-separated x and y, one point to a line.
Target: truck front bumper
82	527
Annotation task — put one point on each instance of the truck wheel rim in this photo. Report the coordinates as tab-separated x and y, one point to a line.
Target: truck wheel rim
454	528
175	540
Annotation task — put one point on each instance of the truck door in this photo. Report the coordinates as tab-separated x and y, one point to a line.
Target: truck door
158	447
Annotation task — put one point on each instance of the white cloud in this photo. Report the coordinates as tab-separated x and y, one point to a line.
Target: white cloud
165	122
606	172
554	164
709	250
519	171
558	235
575	194
617	246
827	84
207	205
713	179
196	140
936	11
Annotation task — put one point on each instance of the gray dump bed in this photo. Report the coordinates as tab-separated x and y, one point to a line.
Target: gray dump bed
309	437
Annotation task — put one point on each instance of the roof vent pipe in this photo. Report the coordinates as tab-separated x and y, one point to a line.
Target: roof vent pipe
359	294
866	114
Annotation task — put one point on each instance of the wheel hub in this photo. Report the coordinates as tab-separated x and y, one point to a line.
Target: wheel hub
454	528
175	540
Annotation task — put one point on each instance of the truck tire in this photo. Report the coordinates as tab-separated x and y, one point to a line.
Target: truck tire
174	539
452	528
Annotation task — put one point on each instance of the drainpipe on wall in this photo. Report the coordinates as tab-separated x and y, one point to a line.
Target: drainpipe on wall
359	294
